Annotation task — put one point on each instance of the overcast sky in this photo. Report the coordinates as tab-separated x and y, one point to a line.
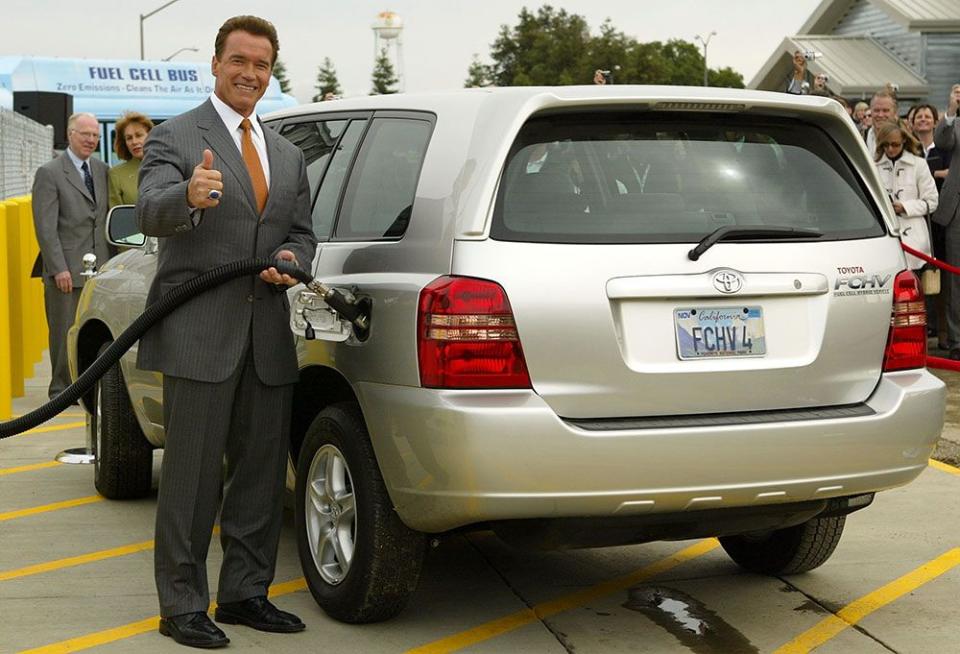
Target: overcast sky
439	36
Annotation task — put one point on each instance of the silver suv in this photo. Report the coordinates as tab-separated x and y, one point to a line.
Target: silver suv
600	315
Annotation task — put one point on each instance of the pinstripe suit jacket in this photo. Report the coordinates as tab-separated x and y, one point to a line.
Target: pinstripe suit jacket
205	338
68	222
947	137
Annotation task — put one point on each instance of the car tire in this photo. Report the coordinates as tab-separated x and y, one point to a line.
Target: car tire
786	551
123	464
367	571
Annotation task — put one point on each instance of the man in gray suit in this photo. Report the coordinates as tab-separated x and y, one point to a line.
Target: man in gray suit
946	137
69	213
217	186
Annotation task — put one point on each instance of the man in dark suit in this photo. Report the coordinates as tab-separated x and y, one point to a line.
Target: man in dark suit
228	358
946	137
69	214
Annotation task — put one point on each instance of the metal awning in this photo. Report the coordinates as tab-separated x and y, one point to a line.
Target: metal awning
855	65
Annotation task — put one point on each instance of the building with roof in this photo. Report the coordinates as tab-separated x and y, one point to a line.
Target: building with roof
861	45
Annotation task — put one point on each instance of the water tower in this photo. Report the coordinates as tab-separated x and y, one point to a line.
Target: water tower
387	31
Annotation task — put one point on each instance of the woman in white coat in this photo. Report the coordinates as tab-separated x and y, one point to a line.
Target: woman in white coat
909	184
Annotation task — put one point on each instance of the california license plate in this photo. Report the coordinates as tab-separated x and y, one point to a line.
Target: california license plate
704	332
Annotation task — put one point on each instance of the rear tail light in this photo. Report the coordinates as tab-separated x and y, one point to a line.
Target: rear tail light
907	342
467	338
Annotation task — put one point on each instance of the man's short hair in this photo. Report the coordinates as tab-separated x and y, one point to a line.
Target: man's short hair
250	24
72	120
120	141
886	94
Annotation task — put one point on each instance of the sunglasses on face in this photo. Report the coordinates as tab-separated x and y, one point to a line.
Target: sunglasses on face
892	144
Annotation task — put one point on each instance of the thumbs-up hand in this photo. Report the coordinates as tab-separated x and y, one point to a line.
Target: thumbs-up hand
205	178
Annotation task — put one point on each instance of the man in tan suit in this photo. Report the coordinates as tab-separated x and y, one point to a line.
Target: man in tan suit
69	214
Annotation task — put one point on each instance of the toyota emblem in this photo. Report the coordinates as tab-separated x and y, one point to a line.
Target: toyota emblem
728	281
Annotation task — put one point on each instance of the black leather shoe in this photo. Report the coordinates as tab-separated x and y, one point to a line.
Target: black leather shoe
259	613
193	630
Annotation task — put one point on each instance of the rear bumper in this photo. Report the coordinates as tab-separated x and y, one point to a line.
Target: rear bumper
454	458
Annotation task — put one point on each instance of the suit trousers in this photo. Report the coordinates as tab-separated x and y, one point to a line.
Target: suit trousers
247	424
61	310
953	285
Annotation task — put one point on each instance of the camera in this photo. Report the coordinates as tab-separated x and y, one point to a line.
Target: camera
607	76
810	55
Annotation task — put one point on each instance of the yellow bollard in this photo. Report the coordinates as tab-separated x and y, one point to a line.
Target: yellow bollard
15	306
6	381
24	223
37	313
37	286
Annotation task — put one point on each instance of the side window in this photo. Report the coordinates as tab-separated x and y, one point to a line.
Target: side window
317	140
325	205
379	196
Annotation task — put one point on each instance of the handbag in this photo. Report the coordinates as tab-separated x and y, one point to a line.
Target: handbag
930	280
930	274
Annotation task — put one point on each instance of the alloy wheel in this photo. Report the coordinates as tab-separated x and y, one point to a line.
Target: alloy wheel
330	514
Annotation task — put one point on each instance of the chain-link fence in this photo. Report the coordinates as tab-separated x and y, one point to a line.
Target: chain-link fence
24	146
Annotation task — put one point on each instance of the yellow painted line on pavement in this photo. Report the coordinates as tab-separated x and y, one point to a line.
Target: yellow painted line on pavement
56	506
81	559
946	467
50	428
543	610
28	468
857	610
76	560
140	627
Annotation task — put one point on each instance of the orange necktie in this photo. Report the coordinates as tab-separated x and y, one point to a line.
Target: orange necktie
254	167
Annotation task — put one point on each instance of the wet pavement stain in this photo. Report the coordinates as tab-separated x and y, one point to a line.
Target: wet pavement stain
693	624
811	607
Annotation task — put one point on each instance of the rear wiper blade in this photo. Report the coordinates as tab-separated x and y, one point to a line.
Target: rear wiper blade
749	231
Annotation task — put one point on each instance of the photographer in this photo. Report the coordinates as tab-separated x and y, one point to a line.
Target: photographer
798	84
820	85
602	77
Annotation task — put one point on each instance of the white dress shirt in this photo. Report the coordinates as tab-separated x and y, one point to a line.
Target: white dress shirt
78	162
231	120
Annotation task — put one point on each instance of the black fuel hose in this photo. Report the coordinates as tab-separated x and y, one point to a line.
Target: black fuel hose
352	311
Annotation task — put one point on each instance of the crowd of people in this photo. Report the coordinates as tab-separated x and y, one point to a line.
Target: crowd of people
913	151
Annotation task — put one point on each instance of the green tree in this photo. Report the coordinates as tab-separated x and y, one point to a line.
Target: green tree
384	77
553	47
478	74
725	76
543	48
280	72
327	81
611	50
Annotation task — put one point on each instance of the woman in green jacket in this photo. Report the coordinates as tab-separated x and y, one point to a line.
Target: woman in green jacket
131	133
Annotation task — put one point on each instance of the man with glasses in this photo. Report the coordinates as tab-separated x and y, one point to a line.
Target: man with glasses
69	215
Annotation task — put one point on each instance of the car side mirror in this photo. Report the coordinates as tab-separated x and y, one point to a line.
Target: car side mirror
122	228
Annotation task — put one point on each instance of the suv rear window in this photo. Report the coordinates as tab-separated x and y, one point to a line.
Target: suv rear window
658	178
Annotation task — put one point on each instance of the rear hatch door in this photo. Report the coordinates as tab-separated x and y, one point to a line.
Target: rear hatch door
593	225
